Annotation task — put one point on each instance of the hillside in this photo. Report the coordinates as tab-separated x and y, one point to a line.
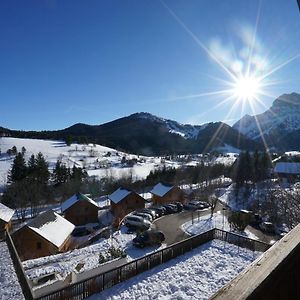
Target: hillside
146	134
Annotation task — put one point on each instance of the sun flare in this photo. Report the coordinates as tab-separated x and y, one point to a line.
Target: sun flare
246	88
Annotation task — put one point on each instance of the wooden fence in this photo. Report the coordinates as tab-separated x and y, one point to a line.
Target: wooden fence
100	282
19	268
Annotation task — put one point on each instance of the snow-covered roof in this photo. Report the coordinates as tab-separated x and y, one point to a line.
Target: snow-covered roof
287	168
51	227
6	213
161	189
75	198
119	195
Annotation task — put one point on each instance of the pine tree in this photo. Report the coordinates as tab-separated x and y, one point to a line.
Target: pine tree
18	170
41	166
61	173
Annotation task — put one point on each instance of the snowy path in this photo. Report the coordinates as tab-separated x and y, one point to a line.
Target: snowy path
9	285
197	274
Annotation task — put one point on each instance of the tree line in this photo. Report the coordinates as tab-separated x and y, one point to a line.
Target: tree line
32	185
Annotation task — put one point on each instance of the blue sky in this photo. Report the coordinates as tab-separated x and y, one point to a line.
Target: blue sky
64	62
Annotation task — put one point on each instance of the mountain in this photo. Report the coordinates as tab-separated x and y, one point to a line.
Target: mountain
146	134
279	126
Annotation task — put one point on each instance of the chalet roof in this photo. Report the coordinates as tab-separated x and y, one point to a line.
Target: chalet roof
6	213
287	168
51	227
161	189
74	199
119	194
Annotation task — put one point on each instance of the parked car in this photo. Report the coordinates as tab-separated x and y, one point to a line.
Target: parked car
267	227
159	211
149	238
255	220
204	204
80	231
150	211
179	206
193	205
137	221
170	209
143	215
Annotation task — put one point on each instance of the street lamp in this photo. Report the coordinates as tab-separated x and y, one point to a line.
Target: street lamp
224	209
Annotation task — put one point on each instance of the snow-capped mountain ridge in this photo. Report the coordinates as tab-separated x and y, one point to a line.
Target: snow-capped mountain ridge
186	131
283	117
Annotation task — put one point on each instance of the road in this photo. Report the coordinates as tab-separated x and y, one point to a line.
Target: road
170	225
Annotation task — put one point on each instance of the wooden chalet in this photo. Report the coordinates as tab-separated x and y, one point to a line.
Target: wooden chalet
287	171
124	201
166	193
45	235
80	210
6	214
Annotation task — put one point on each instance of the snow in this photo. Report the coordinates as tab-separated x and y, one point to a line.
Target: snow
75	198
186	131
119	195
99	161
287	168
6	213
205	223
161	189
9	285
102	201
283	116
197	274
51	227
64	263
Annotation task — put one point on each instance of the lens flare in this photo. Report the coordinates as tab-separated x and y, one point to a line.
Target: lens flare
246	88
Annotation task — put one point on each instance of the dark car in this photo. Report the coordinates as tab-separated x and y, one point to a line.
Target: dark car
179	206
170	209
193	205
80	231
149	238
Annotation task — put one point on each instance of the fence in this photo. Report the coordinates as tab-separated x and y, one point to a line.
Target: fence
240	241
106	280
98	283
19	268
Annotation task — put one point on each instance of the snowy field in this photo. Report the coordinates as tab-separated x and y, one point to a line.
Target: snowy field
63	264
197	274
9	285
99	161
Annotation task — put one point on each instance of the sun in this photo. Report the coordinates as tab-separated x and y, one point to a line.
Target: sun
246	88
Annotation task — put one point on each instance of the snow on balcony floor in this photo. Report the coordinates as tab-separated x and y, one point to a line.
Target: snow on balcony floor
197	274
9	285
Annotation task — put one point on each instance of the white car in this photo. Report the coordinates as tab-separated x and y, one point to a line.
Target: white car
137	221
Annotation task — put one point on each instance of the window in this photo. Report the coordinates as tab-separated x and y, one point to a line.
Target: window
38	245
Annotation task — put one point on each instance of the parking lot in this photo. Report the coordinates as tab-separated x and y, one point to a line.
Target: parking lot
170	225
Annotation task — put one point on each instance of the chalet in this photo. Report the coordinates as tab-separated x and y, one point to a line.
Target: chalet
287	171
45	235
80	210
124	201
166	193
6	214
